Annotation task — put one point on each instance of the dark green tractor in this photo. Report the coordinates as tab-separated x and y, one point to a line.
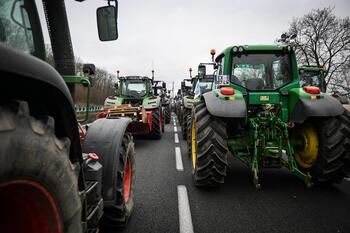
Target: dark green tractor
201	84
258	112
186	104
314	76
159	89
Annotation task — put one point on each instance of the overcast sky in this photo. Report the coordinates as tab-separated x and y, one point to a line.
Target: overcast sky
174	35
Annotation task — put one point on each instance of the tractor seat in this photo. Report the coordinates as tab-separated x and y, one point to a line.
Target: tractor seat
254	84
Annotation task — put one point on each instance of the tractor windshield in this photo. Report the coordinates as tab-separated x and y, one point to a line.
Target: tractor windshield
134	88
310	79
261	71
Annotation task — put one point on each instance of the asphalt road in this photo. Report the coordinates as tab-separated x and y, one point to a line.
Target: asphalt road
167	200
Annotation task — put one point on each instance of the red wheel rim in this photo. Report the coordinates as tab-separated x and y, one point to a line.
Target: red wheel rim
127	180
27	206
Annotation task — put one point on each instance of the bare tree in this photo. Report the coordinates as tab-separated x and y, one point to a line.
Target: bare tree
324	40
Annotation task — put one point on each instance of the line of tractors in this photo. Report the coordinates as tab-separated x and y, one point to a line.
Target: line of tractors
59	173
263	110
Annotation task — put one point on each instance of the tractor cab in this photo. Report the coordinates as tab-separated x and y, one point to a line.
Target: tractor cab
134	87
203	82
312	76
203	85
130	90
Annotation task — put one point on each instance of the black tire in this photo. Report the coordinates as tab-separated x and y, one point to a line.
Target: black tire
211	147
163	120
167	114
156	125
30	153
186	113
117	215
346	131
189	125
332	158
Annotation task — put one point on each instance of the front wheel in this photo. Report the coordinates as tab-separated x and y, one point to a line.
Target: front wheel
118	214
184	123
156	131
208	147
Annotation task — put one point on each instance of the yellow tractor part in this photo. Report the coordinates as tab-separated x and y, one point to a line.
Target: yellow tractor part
194	143
306	155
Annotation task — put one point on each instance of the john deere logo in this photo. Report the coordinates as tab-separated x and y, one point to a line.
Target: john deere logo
264	98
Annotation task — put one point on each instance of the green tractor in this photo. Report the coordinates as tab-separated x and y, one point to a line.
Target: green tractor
186	103
201	84
258	112
159	88
314	76
134	99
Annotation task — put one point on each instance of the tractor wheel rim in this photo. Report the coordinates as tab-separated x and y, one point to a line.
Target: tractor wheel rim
33	207
194	144
127	180
306	155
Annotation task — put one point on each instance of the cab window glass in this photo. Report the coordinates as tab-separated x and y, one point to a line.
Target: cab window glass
15	27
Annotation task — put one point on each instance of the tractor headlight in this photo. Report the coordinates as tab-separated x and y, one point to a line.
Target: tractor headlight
235	49
240	49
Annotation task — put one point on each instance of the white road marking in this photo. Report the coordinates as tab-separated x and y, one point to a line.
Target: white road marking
176	138
179	165
174	123
175	129
347	179
185	218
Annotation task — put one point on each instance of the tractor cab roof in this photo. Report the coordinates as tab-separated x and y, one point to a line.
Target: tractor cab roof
252	48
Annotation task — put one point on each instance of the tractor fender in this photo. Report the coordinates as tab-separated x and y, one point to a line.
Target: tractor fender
151	102
28	78
104	137
323	107
225	108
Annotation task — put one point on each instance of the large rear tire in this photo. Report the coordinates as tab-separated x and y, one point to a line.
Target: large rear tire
326	161
186	113
38	186
209	147
156	131
117	215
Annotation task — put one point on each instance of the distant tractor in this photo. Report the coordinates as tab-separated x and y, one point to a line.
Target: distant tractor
134	99
258	112
201	84
186	104
160	90
314	76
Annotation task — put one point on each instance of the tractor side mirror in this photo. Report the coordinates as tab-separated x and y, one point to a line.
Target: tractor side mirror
107	22
164	85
